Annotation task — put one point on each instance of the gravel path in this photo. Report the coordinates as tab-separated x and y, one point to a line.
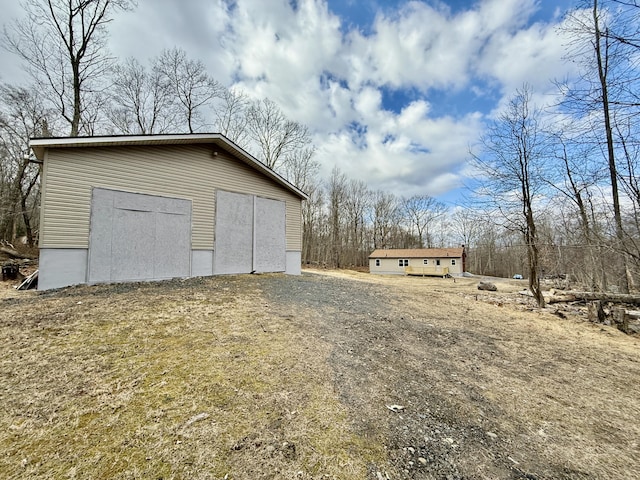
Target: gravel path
386	352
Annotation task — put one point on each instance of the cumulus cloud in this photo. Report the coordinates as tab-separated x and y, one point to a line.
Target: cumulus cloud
425	47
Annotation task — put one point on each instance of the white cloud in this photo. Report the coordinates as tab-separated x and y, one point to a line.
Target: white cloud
425	47
195	26
282	53
533	55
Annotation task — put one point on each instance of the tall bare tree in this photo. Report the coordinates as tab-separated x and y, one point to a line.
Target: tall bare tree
386	217
231	116
22	116
421	211
275	135
512	155
336	194
194	89
313	224
606	95
141	100
63	44
356	203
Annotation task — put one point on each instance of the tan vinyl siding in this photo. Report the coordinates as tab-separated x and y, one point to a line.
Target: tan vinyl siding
190	172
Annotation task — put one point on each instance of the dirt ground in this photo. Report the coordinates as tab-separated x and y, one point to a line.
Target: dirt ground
326	375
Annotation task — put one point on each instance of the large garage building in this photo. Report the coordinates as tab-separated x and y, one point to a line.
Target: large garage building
132	208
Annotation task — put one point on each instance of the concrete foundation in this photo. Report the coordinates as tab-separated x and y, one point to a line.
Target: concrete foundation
201	263
61	267
294	263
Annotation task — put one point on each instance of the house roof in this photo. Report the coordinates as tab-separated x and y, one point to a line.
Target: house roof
418	253
40	145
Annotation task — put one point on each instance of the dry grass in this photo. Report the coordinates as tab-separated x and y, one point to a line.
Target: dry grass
186	384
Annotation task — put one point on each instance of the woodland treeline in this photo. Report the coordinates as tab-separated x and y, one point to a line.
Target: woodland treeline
556	191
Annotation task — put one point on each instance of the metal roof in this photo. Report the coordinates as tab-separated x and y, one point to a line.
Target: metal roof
40	145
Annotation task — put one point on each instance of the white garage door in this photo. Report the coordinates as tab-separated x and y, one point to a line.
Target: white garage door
270	240
234	233
250	234
138	237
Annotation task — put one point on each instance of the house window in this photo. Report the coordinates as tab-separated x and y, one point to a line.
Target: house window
425	261
438	262
377	262
453	262
403	262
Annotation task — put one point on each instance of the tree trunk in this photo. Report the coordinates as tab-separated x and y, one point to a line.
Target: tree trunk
621	266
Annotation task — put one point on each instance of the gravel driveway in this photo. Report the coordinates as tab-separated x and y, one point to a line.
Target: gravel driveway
465	372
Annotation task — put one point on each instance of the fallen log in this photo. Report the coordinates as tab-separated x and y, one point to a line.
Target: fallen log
573	296
560	298
14	253
634	314
551	297
607	297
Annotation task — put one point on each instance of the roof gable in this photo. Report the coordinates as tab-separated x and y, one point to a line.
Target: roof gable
40	145
418	253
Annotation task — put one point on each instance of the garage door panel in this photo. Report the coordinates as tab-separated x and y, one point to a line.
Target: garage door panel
132	237
234	233
134	201
132	245
270	236
100	235
172	245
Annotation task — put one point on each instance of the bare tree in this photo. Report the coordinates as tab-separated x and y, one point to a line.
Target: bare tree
63	43
313	224
300	168
386	217
141	102
193	88
356	203
276	136
231	116
465	225
336	193
512	154
421	211
605	95
21	117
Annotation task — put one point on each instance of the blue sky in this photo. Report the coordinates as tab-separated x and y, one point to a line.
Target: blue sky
393	91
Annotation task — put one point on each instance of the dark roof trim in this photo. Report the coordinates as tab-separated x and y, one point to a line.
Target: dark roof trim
39	146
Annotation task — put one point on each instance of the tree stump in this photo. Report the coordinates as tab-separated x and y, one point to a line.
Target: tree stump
621	320
595	312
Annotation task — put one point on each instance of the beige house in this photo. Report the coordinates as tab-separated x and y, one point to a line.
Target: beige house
418	261
132	208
